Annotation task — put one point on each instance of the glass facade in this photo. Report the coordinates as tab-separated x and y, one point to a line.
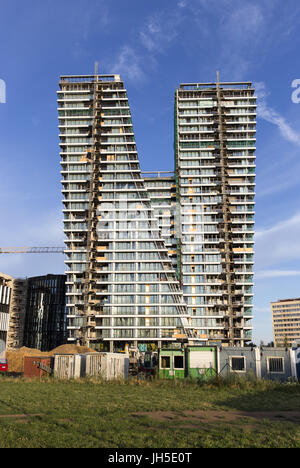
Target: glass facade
45	318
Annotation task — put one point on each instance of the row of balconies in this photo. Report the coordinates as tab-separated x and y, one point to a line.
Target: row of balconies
209	137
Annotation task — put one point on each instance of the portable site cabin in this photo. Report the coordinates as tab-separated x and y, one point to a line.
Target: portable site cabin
195	362
69	366
108	366
172	364
261	362
203	362
240	361
276	363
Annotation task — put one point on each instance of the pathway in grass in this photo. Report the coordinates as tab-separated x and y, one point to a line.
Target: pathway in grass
202	417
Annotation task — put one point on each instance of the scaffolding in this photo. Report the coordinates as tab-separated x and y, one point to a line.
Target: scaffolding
226	261
94	158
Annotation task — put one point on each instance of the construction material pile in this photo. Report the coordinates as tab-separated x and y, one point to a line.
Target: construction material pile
15	357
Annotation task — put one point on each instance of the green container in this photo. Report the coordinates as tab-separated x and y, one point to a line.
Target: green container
201	362
194	362
171	364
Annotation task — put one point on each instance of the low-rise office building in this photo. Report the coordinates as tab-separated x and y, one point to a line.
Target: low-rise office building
286	321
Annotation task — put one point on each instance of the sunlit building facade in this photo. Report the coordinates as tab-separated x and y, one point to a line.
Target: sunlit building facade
121	282
152	255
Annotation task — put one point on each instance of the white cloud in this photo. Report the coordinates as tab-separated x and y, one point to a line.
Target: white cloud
156	35
294	221
127	64
243	22
278	244
270	115
240	25
264	274
160	30
279	180
238	22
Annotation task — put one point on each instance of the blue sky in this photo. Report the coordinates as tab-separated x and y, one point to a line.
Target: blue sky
155	45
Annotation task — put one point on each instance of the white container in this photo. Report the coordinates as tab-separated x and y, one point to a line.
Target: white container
108	366
69	366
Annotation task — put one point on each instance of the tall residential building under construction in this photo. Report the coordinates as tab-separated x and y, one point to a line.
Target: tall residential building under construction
215	183
149	259
121	283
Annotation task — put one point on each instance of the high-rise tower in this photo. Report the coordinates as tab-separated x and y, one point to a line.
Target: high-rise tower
215	180
121	284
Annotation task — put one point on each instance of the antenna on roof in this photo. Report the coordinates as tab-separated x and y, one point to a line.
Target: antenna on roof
218	77
96	68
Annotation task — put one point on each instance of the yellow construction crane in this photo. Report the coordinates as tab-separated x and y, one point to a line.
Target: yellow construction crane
9	250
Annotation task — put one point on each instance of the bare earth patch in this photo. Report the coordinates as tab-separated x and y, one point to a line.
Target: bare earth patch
221	416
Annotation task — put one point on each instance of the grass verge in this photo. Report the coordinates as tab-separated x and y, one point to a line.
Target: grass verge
155	414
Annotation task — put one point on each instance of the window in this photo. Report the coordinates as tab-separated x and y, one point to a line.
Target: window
238	364
165	362
275	364
178	362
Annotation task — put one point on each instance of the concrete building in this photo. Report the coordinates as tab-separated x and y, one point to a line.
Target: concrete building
286	321
215	180
17	313
211	200
185	262
121	283
13	293
161	188
6	283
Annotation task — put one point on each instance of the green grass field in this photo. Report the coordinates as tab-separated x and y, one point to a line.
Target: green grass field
154	414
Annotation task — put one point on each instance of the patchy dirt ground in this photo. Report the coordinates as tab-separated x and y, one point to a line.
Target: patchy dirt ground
206	417
200	416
